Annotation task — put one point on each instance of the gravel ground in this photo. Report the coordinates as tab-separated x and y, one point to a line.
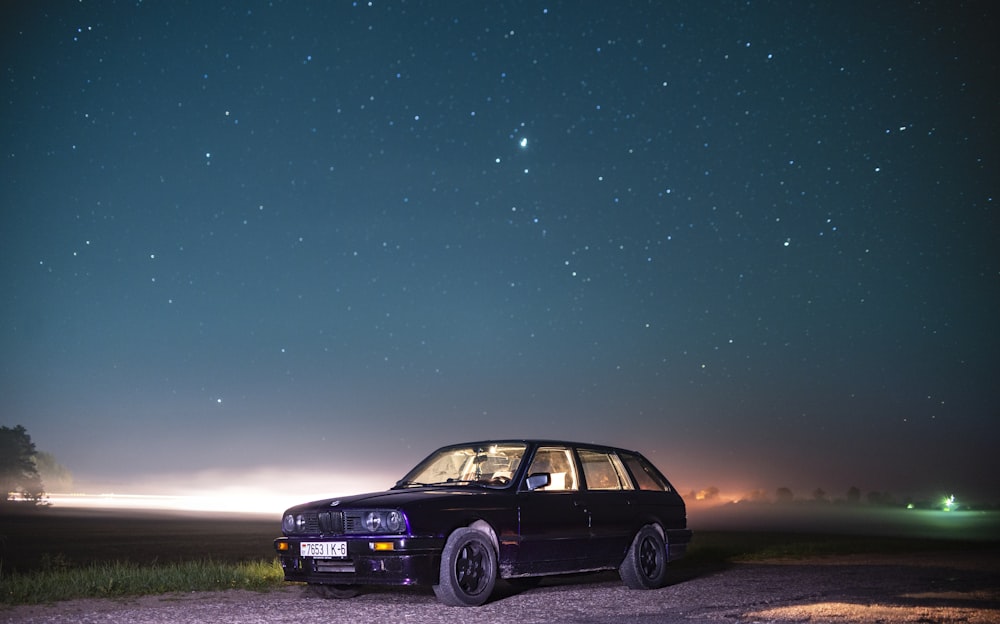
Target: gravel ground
947	588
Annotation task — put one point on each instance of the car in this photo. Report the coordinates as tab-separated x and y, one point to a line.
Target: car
471	514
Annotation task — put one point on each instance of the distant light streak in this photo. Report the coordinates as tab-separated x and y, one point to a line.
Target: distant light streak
264	491
256	504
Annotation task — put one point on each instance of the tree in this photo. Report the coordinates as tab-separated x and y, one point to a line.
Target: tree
784	495
55	476
19	477
854	495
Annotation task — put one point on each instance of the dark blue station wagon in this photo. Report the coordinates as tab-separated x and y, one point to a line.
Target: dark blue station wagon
470	514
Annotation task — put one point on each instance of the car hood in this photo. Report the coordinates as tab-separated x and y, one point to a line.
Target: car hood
392	498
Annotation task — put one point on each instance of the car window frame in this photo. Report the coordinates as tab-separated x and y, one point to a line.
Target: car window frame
409	480
570	453
619	471
650	471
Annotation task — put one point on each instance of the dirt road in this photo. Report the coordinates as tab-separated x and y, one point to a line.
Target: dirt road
948	587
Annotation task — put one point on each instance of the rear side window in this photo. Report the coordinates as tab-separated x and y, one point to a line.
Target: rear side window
603	471
646	476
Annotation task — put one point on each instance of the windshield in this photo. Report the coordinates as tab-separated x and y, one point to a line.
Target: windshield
491	465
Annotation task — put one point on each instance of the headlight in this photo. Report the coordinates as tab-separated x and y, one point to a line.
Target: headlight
293	523
394	522
379	521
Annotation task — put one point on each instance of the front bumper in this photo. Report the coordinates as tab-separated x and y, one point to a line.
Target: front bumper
369	561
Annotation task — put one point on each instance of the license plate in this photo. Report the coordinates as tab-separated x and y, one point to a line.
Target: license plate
327	550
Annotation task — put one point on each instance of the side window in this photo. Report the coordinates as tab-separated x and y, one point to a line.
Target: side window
646	476
558	462
603	471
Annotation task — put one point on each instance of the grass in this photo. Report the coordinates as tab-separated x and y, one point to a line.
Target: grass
51	555
121	579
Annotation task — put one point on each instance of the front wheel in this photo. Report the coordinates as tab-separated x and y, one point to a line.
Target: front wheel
468	569
645	564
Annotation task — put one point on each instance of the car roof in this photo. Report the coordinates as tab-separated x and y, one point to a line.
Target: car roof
542	442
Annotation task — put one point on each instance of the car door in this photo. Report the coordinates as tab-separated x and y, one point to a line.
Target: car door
554	531
609	498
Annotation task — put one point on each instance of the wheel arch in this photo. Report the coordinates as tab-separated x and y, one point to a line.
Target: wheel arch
651	521
485	527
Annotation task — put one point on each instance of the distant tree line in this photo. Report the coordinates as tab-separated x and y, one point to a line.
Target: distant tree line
785	495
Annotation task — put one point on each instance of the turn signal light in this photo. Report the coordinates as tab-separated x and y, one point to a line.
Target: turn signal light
381	546
282	546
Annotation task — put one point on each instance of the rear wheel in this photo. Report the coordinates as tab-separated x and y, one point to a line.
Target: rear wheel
335	591
645	564
468	569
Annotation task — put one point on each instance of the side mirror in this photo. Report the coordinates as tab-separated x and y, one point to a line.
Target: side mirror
538	480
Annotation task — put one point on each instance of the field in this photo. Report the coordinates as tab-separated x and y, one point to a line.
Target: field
51	555
68	538
55	554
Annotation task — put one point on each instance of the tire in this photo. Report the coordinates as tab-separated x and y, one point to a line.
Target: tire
468	569
340	592
645	564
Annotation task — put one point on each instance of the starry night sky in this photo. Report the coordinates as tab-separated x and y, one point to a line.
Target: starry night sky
757	241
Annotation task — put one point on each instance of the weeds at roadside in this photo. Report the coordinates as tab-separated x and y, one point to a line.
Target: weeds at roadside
120	579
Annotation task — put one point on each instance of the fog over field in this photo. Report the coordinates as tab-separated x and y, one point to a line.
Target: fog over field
846	519
268	492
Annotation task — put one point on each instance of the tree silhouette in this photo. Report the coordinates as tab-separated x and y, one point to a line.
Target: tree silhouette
55	476
19	477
